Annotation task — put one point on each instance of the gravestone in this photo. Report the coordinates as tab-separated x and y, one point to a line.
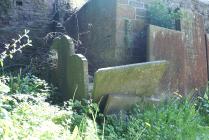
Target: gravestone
78	76
192	25
140	79
166	44
72	71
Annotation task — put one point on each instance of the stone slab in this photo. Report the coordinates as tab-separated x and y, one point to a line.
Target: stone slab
207	50
192	24
140	79
72	70
115	103
77	77
166	44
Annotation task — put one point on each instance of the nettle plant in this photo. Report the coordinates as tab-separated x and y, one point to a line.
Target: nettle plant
9	50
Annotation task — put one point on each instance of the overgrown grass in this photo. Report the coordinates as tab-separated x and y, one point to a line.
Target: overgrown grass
178	119
25	113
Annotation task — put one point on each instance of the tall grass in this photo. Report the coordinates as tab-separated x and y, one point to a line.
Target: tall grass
26	114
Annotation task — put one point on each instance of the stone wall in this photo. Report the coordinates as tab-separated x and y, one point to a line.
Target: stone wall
130	28
26	14
94	25
114	32
36	16
198	6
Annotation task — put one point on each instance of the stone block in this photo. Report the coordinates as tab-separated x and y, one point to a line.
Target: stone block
72	70
207	48
119	102
140	79
192	24
166	44
115	103
77	77
97	25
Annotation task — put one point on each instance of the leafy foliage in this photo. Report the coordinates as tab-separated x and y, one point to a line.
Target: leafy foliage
9	50
17	46
25	114
177	119
159	14
203	106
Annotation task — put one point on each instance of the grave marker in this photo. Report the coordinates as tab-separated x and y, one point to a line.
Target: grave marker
72	72
139	79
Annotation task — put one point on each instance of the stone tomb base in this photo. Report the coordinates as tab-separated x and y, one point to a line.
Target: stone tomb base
115	103
119	88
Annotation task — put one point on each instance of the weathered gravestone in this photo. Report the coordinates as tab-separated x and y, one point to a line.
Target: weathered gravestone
139	79
72	71
166	44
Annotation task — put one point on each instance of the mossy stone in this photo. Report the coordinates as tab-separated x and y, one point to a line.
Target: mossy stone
72	71
140	79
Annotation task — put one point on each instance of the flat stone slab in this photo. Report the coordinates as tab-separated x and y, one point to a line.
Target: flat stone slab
124	102
192	24
140	79
166	44
207	48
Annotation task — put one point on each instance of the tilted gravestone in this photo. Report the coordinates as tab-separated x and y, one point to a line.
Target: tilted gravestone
139	79
72	71
166	44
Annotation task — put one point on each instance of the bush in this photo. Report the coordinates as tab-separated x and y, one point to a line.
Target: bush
159	14
203	107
